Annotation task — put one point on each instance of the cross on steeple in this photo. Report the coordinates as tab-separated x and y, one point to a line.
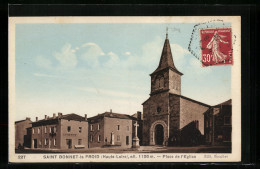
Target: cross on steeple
166	32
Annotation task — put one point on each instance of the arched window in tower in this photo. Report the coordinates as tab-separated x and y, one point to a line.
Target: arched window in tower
157	83
161	82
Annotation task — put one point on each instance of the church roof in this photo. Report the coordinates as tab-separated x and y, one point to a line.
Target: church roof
166	60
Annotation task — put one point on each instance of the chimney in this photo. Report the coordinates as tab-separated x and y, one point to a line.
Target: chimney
139	115
36	119
45	117
86	117
28	118
54	115
59	115
110	110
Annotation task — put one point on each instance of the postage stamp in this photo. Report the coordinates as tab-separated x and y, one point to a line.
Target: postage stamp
121	89
216	46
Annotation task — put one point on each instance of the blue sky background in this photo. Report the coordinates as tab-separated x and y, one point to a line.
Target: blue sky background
92	68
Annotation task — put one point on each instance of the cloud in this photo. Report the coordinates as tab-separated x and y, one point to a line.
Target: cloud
127	53
43	62
66	57
91	53
46	75
113	60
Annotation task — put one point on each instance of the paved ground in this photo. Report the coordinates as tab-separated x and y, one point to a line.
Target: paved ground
142	149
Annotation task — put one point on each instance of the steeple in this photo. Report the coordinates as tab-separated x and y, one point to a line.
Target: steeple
166	60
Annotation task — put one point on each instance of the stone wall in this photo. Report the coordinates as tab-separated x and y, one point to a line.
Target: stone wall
190	111
95	132
174	104
125	129
151	114
74	134
21	132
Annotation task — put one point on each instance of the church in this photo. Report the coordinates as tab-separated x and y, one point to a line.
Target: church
168	117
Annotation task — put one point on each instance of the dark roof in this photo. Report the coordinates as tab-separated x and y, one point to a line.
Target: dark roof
228	102
71	116
166	60
113	115
22	121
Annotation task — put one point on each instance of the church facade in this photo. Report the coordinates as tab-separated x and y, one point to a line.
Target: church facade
167	115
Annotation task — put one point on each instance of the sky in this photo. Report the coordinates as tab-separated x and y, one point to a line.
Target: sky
90	68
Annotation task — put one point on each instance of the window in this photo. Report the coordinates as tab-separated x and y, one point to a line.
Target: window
91	127
118	127
68	128
55	129
50	142
161	85
38	130
127	140
99	138
40	143
45	141
80	129
91	138
159	109
45	130
54	142
33	131
118	138
227	120
50	129
127	128
79	141
98	127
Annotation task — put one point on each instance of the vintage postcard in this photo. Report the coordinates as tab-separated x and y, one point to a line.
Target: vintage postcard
125	89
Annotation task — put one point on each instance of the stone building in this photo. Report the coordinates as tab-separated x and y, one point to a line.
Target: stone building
111	129
60	132
166	111
218	124
22	138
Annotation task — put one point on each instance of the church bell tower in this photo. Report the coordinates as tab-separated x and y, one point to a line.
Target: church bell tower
158	108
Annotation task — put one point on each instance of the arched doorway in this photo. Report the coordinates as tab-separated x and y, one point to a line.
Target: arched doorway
159	134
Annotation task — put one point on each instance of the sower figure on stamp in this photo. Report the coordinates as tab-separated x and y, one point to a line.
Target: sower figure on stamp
218	56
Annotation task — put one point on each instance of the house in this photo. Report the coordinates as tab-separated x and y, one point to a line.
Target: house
166	112
60	132
218	124
22	138
111	129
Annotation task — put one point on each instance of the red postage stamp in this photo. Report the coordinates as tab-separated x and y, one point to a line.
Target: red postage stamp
216	46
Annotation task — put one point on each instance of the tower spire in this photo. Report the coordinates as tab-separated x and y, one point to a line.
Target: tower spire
166	60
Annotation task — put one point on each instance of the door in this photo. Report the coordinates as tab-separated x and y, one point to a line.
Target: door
35	143
112	138
69	143
159	134
127	140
